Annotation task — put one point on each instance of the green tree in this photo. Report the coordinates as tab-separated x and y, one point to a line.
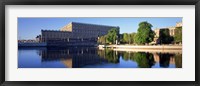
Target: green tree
125	38
112	35
164	36
102	39
132	35
144	33
178	34
121	38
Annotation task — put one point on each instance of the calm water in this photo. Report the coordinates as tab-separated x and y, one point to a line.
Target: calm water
94	58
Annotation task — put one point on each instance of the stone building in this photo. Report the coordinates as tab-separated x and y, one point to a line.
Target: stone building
75	32
171	31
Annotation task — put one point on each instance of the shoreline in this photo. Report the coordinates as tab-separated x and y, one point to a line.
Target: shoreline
179	47
149	50
144	48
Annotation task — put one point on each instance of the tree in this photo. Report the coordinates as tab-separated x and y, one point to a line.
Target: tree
144	33
112	35
178	34
121	38
164	36
125	38
102	39
132	35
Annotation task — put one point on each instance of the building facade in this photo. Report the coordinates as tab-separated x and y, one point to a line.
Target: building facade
171	31
75	32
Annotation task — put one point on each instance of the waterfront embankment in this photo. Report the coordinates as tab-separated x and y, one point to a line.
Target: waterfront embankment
144	48
42	44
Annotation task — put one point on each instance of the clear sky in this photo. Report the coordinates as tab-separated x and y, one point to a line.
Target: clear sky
29	28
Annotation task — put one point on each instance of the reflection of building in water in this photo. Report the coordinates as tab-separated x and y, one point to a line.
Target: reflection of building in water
75	33
67	63
165	59
74	57
157	58
83	57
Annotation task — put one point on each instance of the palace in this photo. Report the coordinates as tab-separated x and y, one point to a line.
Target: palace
75	34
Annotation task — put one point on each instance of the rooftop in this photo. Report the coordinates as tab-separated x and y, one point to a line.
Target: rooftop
54	31
94	24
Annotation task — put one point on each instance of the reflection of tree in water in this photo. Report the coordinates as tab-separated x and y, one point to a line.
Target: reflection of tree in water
126	56
164	59
112	56
178	60
144	60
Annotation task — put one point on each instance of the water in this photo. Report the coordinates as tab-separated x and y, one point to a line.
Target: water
88	57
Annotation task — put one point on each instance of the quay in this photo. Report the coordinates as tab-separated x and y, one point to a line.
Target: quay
144	48
42	44
45	44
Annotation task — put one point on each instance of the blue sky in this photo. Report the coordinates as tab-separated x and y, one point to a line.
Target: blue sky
29	28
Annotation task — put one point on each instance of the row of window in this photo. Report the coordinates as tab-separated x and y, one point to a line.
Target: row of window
90	31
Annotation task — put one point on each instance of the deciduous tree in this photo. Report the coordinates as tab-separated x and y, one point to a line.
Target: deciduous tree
178	34
112	35
144	33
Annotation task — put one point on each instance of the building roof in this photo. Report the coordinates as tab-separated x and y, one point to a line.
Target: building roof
93	24
170	27
54	31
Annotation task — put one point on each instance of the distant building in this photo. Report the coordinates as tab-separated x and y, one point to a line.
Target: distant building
27	41
75	32
38	38
171	31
